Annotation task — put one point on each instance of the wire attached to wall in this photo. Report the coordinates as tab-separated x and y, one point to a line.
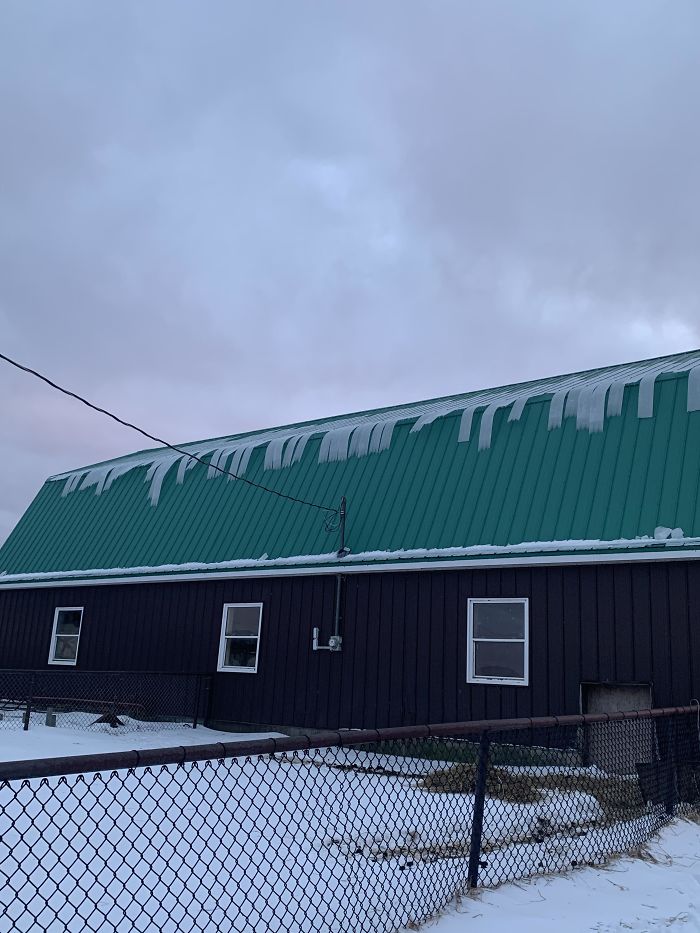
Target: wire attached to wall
159	440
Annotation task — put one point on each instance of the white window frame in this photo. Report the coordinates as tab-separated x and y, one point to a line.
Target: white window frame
472	677
52	644
224	638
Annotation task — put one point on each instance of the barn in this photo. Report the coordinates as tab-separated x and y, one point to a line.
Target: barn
526	550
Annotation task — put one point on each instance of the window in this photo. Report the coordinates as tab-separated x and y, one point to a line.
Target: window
497	641
240	637
65	635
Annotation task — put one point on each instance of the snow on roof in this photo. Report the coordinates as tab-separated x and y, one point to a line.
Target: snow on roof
663	539
590	397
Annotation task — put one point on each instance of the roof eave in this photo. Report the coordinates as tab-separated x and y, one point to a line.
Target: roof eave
660	551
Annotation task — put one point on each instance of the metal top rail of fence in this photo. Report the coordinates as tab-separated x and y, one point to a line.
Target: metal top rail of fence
342	738
352	830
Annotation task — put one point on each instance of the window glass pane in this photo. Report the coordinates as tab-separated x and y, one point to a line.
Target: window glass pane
68	622
240	652
243	620
66	648
492	659
499	620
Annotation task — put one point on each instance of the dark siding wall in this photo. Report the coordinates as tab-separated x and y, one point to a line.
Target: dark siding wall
175	627
404	651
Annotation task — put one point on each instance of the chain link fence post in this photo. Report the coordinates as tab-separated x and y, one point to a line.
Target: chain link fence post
670	796
208	699
197	697
482	766
28	710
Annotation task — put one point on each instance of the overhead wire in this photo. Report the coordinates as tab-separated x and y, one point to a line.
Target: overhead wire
164	443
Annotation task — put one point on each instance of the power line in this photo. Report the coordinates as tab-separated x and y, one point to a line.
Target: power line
159	440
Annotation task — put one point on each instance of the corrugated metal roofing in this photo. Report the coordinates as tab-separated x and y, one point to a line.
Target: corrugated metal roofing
588	481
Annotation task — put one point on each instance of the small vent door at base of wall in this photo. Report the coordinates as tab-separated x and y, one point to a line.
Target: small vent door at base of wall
617	747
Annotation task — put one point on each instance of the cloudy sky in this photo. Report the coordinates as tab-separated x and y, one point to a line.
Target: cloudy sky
220	216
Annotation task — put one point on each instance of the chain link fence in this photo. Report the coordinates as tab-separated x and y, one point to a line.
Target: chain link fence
127	701
337	832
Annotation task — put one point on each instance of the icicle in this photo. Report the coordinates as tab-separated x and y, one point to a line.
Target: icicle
645	405
465	425
571	407
596	421
375	438
359	442
616	397
299	448
324	451
218	458
246	454
96	478
239	461
583	407
71	483
235	464
422	422
386	435
334	445
486	426
516	411
156	475
694	389
289	448
120	469
432	415
273	454
185	464
556	409
591	407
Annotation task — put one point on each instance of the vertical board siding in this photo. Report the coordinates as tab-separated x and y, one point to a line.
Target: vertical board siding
404	640
588	623
410	585
623	640
397	656
640	627
539	647
679	635
387	658
605	594
452	666
662	675
555	638
285	618
368	671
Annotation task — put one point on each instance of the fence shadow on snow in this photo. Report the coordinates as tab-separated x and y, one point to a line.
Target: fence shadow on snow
346	831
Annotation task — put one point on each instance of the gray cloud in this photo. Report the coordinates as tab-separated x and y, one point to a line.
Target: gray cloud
221	216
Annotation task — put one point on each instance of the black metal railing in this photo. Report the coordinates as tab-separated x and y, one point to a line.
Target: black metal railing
345	831
120	700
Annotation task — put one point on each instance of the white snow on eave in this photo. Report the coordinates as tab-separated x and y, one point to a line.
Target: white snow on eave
589	397
366	557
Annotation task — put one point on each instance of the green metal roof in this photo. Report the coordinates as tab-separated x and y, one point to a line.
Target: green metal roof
594	462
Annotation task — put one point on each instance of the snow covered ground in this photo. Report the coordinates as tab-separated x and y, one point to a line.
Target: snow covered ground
41	741
659	890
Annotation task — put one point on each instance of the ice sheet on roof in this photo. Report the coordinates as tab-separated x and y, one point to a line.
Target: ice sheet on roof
589	397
